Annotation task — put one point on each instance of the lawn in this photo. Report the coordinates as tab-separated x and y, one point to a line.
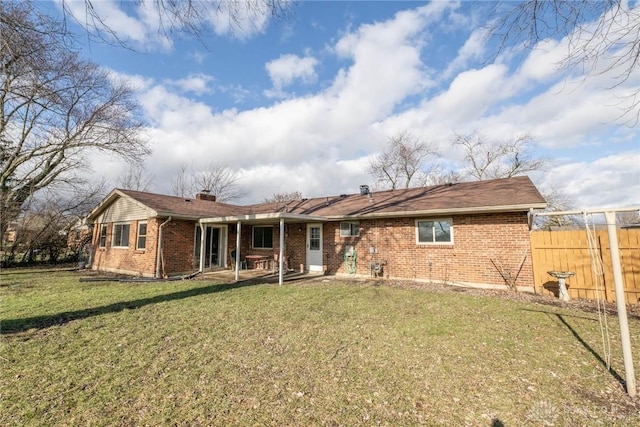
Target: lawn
320	352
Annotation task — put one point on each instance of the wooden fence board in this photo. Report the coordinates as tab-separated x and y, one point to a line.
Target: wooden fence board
569	251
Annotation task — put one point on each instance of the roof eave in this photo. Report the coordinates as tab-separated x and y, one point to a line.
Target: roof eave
109	199
262	217
445	211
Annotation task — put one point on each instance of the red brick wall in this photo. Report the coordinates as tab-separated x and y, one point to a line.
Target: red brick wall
478	239
178	243
178	238
126	260
295	238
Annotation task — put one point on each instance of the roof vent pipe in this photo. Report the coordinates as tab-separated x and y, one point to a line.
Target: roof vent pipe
364	190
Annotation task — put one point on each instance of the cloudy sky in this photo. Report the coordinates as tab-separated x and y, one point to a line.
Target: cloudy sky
302	103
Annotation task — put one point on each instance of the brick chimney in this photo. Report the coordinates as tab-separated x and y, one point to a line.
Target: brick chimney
206	195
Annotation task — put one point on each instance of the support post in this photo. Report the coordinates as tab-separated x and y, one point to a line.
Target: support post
281	257
621	305
238	229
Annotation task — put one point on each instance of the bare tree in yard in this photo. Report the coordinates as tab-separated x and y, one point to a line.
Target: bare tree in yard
47	218
284	197
56	108
219	180
557	201
486	159
135	178
601	36
401	164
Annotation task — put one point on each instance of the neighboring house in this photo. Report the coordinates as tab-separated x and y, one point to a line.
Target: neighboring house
79	235
464	232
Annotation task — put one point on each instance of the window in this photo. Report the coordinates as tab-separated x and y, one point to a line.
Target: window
120	235
263	237
349	229
435	231
141	241
103	236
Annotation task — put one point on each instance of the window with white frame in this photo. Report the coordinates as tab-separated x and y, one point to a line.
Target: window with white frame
262	237
141	241
349	229
103	236
120	235
434	231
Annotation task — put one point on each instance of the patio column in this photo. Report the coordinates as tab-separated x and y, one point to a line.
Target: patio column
281	257
238	229
202	241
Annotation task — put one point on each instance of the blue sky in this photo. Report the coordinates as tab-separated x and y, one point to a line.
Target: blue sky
303	103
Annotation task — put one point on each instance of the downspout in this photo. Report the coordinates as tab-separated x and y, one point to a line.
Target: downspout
159	247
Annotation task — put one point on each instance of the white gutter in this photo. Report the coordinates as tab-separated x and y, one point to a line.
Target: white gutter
429	212
263	217
448	211
159	247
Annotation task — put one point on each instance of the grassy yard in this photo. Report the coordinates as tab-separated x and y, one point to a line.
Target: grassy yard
325	353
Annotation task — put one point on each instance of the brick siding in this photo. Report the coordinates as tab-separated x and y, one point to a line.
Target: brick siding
479	241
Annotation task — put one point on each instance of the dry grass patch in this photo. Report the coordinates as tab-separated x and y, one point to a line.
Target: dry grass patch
311	353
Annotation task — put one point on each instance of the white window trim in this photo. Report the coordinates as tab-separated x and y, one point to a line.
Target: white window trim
138	235
350	228
449	220
113	235
106	234
253	239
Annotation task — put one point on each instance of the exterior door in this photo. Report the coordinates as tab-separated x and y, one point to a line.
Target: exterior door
314	247
213	242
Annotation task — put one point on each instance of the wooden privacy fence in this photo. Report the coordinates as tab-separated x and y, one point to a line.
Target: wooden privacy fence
569	251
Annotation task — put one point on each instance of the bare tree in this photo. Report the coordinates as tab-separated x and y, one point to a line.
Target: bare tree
47	217
214	178
401	164
181	184
486	159
284	197
135	178
56	107
628	218
601	35
191	17
557	201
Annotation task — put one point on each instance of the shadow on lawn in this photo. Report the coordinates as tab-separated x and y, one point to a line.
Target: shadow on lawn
561	318
12	326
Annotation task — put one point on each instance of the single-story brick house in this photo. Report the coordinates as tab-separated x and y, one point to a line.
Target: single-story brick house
465	232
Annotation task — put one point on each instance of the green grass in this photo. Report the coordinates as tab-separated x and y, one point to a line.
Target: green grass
324	353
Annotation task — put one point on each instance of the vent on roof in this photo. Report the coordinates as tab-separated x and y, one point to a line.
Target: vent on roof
364	190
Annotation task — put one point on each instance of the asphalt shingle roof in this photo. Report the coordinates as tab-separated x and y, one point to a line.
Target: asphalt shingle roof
515	194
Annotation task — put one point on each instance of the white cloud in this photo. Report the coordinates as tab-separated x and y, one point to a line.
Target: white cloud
473	49
290	68
198	84
608	182
319	143
148	25
240	19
